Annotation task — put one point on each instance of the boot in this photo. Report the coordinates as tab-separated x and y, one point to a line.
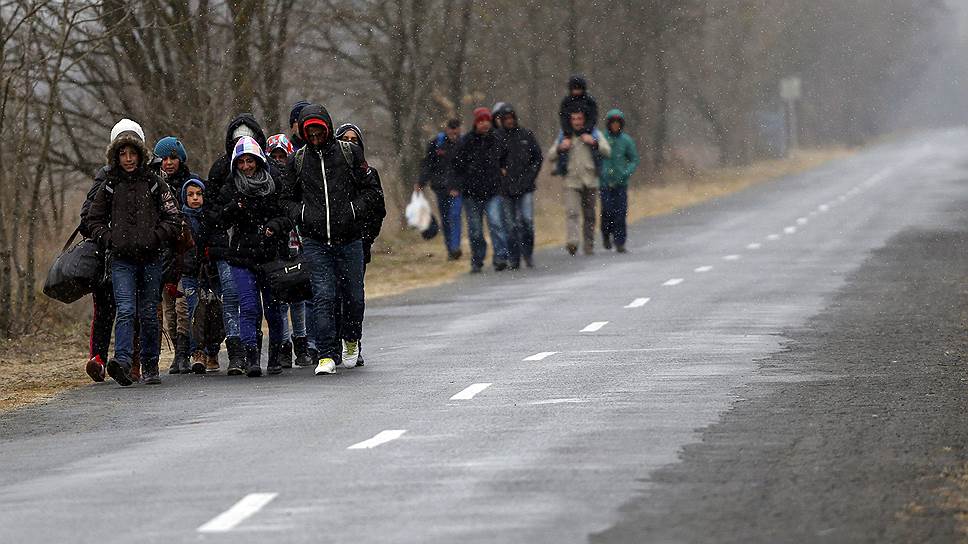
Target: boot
211	363
253	364
199	361
135	371
285	354
233	345
182	354
300	347
274	366
150	375
313	356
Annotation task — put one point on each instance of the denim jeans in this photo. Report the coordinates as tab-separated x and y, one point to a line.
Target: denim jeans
253	296
230	299
189	286
450	208
475	209
137	292
336	274
294	314
615	207
519	223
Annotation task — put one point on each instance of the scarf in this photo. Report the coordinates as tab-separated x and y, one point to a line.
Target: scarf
259	185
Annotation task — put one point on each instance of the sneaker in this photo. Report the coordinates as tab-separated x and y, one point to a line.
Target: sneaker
351	353
199	360
326	366
95	368
120	373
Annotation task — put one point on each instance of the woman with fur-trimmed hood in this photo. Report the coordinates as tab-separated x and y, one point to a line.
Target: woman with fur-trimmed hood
134	215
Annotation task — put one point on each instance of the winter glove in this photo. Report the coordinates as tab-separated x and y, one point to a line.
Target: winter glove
172	290
105	240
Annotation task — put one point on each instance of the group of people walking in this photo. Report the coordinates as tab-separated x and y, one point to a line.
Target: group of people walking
490	172
195	253
192	252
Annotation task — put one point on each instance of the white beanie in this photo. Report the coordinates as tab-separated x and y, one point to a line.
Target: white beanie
127	125
241	131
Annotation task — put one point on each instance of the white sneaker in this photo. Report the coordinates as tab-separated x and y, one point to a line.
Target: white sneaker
351	353
326	366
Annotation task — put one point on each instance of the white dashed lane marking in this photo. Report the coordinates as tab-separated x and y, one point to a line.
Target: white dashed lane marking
801	220
754	245
240	511
672	282
596	326
731	258
638	303
470	391
540	356
381	438
773	237
823	207
790	230
702	269
557	401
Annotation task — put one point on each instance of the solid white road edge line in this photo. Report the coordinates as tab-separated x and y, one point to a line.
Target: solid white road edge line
540	356
672	282
595	326
381	437
638	303
249	505
471	390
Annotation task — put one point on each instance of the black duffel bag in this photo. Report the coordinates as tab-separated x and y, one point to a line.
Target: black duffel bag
76	272
288	279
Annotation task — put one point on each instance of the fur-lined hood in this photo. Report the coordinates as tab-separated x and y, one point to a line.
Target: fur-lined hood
123	139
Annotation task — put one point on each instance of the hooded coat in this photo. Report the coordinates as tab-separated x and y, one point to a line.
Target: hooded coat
522	160
371	223
584	103
248	217
477	164
325	195
618	167
135	214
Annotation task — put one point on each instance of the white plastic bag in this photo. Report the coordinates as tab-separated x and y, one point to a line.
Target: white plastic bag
418	212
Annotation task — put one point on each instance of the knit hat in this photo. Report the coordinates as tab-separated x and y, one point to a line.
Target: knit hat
578	81
168	146
127	125
184	188
242	131
279	141
296	110
347	127
481	114
248	146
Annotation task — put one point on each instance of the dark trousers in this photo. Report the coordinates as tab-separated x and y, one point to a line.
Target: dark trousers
137	292
102	321
449	207
615	207
519	224
336	274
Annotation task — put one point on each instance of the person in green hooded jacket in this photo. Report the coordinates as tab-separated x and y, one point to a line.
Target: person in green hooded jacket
614	180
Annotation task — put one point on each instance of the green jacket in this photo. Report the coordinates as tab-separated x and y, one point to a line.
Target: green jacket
618	168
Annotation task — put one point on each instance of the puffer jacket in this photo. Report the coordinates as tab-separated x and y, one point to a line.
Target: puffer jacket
477	164
135	214
325	195
619	166
522	160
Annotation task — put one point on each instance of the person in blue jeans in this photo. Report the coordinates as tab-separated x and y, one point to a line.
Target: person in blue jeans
478	163
134	215
260	234
330	193
437	170
522	163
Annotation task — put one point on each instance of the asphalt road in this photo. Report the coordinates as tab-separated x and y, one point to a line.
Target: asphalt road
610	434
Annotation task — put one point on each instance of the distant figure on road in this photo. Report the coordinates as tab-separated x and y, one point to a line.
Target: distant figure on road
478	164
580	181
577	100
522	163
616	170
437	170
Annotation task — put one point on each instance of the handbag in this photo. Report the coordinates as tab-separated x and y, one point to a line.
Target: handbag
76	272
288	279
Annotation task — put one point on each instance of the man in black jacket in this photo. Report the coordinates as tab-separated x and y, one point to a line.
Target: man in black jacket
438	171
477	165
329	191
522	163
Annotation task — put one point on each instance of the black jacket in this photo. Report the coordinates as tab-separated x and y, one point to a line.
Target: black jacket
176	180
99	178
437	168
327	197
248	217
477	164
522	160
583	103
